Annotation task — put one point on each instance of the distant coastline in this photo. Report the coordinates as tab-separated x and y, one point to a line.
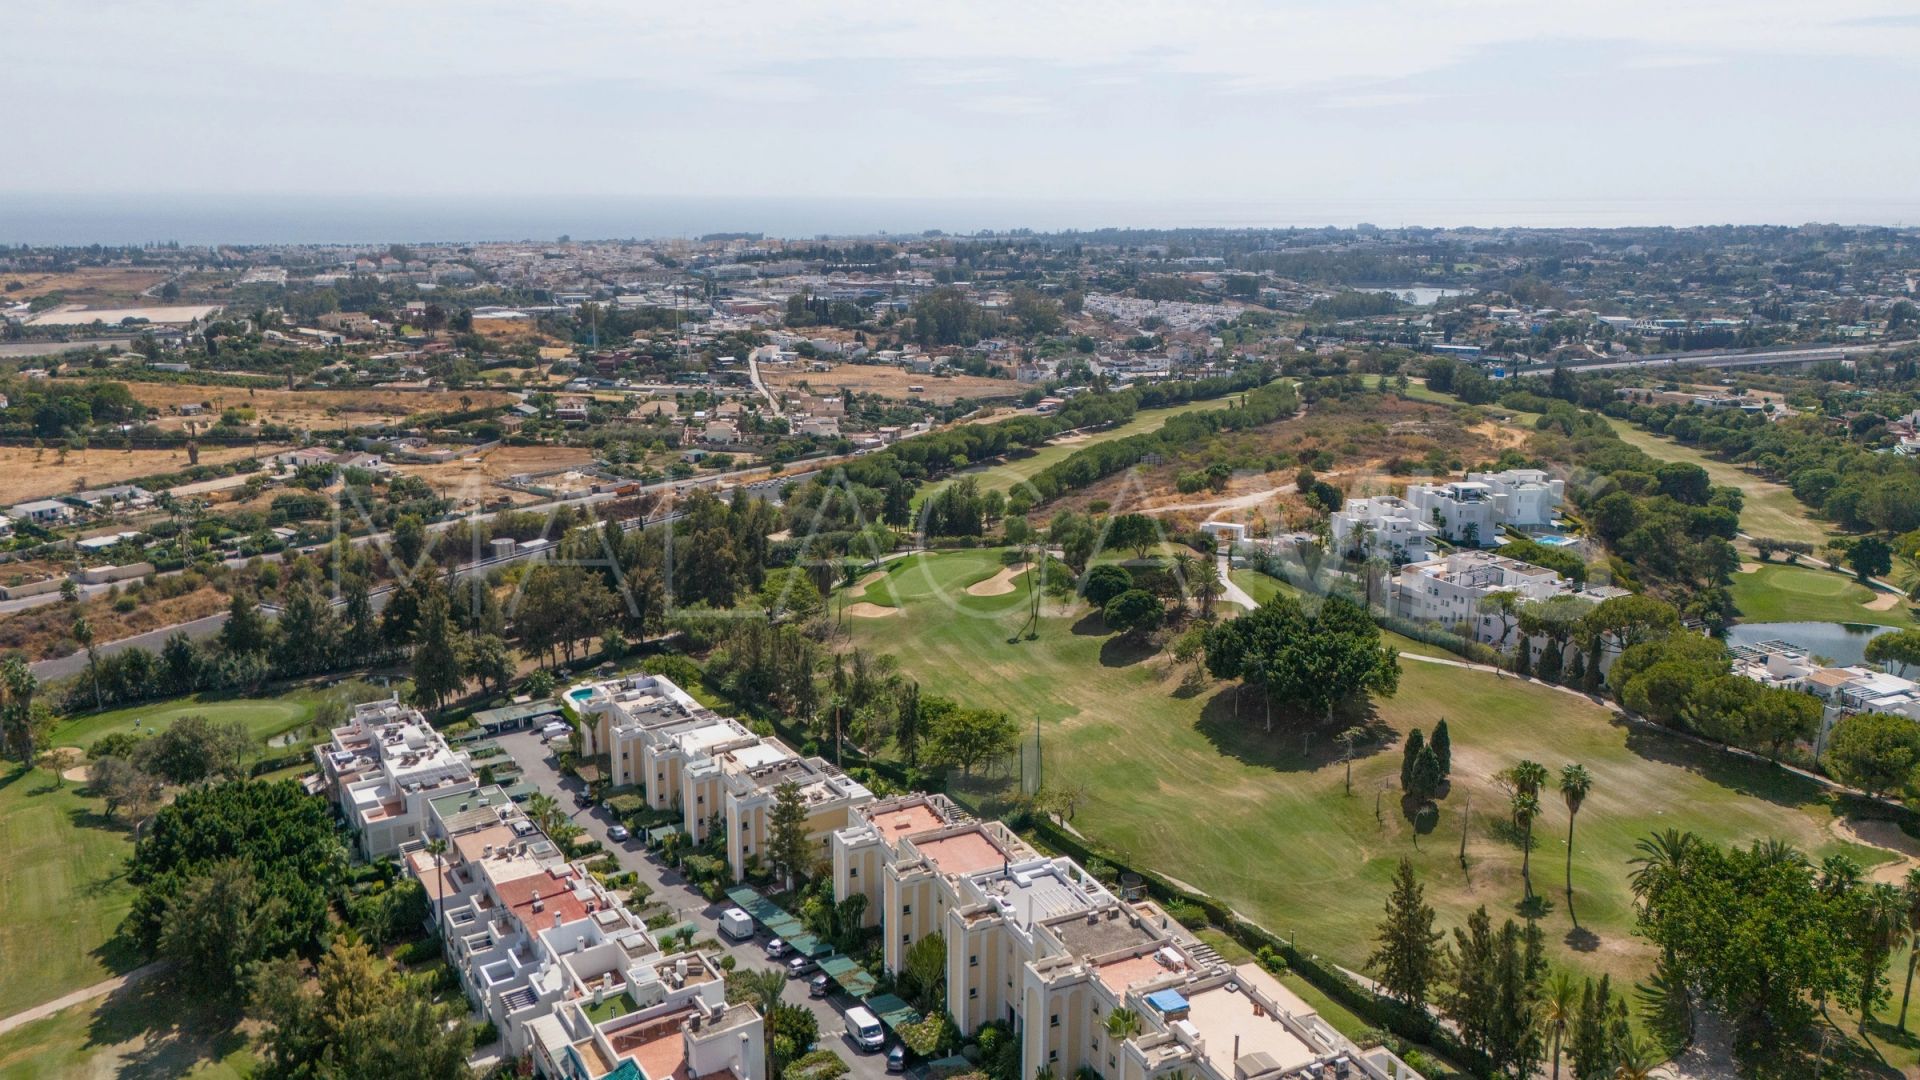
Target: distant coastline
60	219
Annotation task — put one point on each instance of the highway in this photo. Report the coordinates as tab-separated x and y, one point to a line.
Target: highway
1722	358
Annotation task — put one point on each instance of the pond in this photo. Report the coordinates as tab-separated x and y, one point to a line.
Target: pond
1418	295
1843	643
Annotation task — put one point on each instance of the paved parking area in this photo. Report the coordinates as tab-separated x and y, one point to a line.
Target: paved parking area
670	888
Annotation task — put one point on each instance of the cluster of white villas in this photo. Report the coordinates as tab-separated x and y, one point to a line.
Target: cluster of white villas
1471	512
1842	690
572	977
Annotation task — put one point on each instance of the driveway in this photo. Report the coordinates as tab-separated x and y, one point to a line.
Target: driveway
671	889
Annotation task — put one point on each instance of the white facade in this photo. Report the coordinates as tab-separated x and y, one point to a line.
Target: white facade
1462	511
1041	944
710	767
383	767
1523	497
1448	590
1384	527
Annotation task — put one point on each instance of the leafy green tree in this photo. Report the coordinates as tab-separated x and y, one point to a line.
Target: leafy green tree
1104	582
1135	532
925	973
246	631
968	737
282	836
1876	752
355	1017
1870	557
487	660
1407	955
1313	661
217	927
1135	612
193	749
1900	647
17	718
437	671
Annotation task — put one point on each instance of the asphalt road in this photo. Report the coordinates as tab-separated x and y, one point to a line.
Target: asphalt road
670	888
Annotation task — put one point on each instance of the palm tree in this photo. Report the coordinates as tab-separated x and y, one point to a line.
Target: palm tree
1122	1023
1183	570
1528	777
1575	783
543	808
437	847
1526	807
1838	875
83	633
1883	926
1911	891
1638	1059
1660	854
1557	1010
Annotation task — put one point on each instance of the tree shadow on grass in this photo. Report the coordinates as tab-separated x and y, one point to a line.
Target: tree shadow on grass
1295	744
1759	779
1126	650
1092	624
179	1031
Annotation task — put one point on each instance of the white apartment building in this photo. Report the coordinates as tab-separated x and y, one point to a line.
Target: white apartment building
1473	511
383	767
710	767
1525	498
1039	943
1462	511
1448	590
566	972
1841	690
1383	527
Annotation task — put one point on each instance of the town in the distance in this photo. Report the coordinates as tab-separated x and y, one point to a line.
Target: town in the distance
1115	654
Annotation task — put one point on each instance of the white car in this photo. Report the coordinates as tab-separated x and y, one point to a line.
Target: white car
777	949
618	834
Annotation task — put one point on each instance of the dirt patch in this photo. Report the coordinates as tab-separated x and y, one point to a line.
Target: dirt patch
999	584
864	610
1883	601
1904	850
891	382
319	409
471	480
27	473
867	581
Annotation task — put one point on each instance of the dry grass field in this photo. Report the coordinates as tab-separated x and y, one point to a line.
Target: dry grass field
890	382
95	286
310	408
472	478
26	473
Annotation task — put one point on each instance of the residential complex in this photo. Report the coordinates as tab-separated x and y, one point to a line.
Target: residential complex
711	768
1449	590
383	767
1039	943
1383	527
1473	511
1850	689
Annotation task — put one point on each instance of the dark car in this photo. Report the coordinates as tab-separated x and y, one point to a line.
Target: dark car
581	798
897	1058
819	986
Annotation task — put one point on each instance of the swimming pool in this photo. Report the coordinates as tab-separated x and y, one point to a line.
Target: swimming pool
580	695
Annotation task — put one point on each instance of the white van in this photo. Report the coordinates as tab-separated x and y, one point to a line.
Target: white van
864	1029
736	924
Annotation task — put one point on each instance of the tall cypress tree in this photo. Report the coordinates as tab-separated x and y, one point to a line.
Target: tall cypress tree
1442	744
1407	956
1416	742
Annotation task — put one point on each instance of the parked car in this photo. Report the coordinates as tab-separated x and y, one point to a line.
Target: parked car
777	949
820	986
897	1058
582	799
801	965
618	834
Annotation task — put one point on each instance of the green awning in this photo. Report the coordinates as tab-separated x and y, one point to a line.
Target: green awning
892	1010
851	976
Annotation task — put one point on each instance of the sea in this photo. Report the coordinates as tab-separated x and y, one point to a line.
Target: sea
79	219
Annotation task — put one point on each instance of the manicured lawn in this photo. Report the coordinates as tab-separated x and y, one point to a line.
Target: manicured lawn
1010	474
149	1031
63	890
1183	785
1770	509
1780	593
264	717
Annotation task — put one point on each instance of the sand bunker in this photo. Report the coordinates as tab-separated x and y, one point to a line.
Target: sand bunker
1886	836
1883	601
72	763
1749	567
999	584
867	581
864	610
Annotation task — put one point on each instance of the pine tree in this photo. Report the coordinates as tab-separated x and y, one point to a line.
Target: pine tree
1523	658
1591	1047
1408	953
1416	741
1551	661
437	671
1442	744
787	833
1577	672
1427	776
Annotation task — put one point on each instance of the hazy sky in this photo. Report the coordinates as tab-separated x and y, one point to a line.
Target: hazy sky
1736	103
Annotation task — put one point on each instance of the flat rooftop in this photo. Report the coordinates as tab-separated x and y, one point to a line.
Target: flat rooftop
1228	1018
905	821
962	853
1097	937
